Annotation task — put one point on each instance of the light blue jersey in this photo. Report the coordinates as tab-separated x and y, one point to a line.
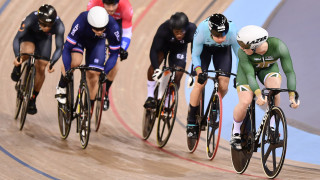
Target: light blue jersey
202	37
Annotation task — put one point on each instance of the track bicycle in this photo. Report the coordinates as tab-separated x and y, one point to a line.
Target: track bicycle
166	95
99	101
24	87
273	136
79	109
211	120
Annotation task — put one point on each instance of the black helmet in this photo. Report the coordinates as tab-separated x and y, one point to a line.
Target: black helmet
179	21
218	25
47	15
110	1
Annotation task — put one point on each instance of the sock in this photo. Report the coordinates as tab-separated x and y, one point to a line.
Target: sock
272	122
62	82
151	86
35	94
192	114
108	85
236	127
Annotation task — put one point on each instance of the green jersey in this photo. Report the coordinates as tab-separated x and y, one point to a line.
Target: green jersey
264	65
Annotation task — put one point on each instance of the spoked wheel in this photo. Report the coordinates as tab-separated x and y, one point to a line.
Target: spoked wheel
240	159
27	93
99	105
193	143
84	116
19	99
214	126
274	142
65	113
167	114
149	118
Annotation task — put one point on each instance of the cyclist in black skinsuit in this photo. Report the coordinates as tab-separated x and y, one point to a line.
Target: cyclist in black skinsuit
171	39
35	36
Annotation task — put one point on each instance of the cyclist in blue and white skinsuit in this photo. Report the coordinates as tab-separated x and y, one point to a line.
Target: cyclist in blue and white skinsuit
213	39
90	31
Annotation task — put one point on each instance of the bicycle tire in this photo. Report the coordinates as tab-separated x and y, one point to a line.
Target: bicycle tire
214	126
19	90
65	113
84	115
27	93
241	159
273	142
149	118
167	115
99	105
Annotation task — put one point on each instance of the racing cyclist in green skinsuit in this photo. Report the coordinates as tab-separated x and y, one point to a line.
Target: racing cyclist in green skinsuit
258	57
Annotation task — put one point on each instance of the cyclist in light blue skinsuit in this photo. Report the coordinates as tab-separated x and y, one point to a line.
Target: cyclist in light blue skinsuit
213	39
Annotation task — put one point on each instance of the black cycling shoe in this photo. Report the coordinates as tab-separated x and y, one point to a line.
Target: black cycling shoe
150	103
15	75
235	142
32	109
192	135
106	103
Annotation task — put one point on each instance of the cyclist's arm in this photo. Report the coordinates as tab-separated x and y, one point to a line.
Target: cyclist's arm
234	44
249	72
59	43
197	50
25	25
126	16
157	43
287	66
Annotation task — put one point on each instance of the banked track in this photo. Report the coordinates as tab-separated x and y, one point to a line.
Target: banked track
116	151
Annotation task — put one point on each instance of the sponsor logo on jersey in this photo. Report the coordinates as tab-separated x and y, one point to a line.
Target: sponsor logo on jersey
22	27
180	56
96	60
269	58
117	34
257	59
75	29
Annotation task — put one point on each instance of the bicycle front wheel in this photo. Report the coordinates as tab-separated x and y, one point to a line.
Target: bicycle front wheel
99	105
84	115
214	125
27	94
167	114
149	118
65	113
274	142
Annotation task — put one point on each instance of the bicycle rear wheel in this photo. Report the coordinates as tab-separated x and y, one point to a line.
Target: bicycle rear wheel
214	126
273	143
84	115
149	118
167	114
65	113
99	105
240	159
27	94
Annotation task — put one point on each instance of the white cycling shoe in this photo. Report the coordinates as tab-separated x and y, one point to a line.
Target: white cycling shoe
61	91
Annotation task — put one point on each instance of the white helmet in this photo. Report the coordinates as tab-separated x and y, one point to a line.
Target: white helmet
251	37
98	17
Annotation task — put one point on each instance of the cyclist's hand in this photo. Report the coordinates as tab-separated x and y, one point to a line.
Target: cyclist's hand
202	78
123	54
17	61
260	101
50	68
293	103
157	74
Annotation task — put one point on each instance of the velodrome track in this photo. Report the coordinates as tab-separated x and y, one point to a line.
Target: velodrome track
116	151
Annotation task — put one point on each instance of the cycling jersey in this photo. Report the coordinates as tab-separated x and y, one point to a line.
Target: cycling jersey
123	16
30	31
265	66
165	41
81	35
202	38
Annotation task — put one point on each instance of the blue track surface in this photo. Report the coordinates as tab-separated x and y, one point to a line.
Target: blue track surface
301	145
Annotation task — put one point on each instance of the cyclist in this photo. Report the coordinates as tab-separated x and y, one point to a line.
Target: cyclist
213	39
171	38
258	57
90	31
35	36
122	12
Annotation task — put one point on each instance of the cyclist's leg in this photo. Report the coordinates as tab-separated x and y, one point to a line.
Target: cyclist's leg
222	59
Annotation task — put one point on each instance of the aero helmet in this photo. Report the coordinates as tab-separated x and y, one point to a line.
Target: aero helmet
251	37
179	21
47	15
98	17
110	1
218	25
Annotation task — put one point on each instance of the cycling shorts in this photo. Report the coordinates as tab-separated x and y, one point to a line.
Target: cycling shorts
42	44
177	57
